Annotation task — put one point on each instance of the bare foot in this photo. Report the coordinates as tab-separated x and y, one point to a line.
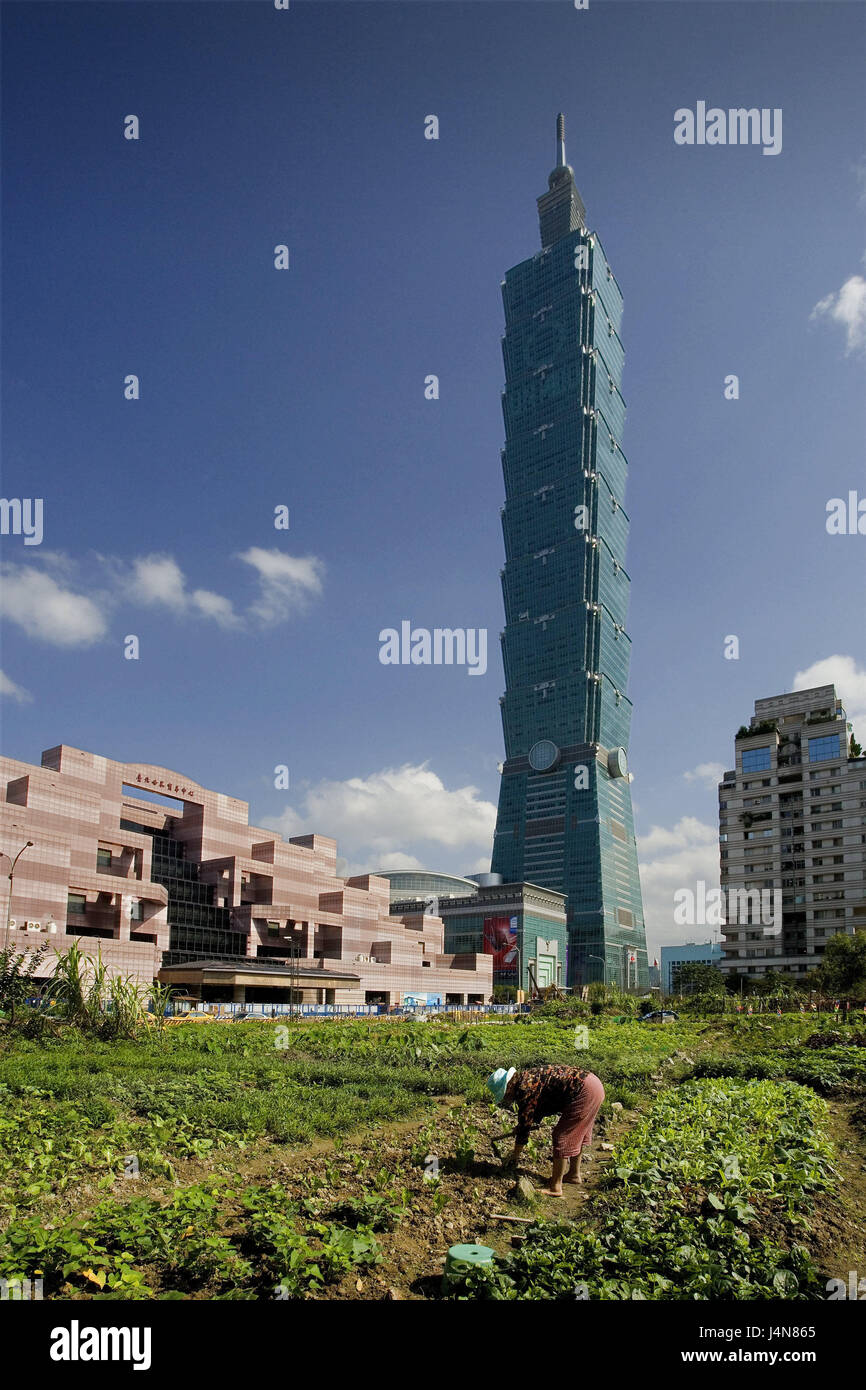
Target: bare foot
551	1192
578	1181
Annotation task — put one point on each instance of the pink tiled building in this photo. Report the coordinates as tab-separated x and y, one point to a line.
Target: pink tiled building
195	894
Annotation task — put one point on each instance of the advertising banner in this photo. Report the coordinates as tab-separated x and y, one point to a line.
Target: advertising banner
500	942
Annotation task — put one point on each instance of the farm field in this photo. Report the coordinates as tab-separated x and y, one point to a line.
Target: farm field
340	1161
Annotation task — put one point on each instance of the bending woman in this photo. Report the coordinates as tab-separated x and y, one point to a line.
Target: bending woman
538	1091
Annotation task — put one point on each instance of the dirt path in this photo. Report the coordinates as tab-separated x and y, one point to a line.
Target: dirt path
838	1218
463	1206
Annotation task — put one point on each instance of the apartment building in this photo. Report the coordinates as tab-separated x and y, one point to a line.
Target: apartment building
792	826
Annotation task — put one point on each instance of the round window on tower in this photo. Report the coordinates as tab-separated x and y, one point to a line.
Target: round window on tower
543	755
617	762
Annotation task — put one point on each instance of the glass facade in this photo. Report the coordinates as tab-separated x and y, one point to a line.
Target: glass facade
198	929
826	747
565	817
756	760
521	941
423	883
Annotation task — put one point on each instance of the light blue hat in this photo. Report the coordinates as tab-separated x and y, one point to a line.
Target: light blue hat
498	1081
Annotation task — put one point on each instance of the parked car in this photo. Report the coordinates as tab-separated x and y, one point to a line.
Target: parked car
660	1016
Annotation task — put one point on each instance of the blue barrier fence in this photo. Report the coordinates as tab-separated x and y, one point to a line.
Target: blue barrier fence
321	1010
337	1010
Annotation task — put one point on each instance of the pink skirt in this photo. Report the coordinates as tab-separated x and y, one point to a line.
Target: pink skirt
574	1130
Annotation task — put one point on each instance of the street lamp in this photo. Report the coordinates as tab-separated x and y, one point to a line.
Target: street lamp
625	965
603	960
12	863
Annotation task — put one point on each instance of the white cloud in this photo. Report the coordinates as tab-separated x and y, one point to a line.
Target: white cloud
401	817
671	859
708	774
49	611
44	603
481	866
158	580
847	307
288	582
848	678
214	606
396	859
688	830
14	692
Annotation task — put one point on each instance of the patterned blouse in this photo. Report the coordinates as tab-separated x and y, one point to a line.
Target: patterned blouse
539	1091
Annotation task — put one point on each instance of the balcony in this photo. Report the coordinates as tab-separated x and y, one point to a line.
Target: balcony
765	726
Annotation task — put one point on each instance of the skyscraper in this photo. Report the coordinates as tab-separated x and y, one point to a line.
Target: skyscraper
565	816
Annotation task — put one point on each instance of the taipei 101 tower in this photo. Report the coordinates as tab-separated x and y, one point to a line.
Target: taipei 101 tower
565	816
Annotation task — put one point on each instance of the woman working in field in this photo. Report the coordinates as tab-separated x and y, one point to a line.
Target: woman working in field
538	1091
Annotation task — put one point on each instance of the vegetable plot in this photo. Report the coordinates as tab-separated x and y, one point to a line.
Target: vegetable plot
705	1200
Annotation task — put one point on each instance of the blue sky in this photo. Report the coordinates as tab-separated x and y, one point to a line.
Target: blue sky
305	388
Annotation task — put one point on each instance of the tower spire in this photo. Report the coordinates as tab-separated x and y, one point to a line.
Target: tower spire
560	141
560	209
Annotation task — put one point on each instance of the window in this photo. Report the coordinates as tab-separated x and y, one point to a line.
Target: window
103	859
273	928
824	747
76	904
136	910
758	759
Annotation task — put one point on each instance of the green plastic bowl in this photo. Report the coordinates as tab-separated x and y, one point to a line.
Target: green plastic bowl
463	1258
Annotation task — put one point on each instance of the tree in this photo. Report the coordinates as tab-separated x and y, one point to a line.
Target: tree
774	982
843	968
18	977
696	977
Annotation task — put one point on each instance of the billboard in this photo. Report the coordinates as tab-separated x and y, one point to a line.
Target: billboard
500	942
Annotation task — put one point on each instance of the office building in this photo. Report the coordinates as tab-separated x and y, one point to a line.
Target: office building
521	926
688	953
163	877
564	819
